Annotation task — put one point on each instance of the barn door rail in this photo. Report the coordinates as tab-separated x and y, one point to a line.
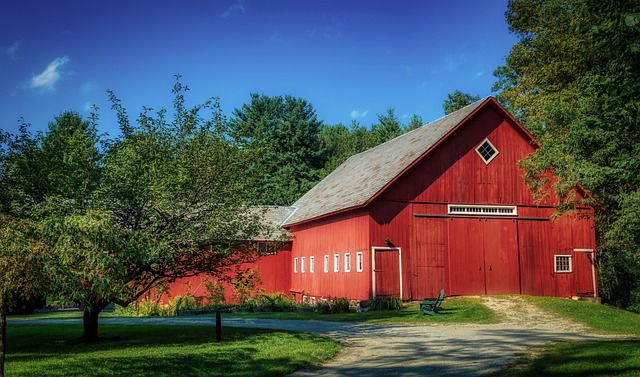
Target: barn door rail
440	216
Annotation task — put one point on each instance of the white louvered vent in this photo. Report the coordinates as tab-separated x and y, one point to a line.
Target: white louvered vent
482	210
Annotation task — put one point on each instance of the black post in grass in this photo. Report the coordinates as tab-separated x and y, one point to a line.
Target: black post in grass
218	326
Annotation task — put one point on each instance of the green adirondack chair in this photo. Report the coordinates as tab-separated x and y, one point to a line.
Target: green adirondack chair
432	306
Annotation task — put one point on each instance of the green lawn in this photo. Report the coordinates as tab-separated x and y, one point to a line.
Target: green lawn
602	358
456	310
137	350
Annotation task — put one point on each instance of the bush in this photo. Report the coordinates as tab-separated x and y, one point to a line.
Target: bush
275	301
634	301
145	308
335	306
385	303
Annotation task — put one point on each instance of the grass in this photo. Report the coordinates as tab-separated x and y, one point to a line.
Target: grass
603	358
601	318
138	350
456	310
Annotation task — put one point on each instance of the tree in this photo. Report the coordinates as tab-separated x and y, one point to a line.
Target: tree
285	132
389	127
571	79
415	122
340	142
21	270
457	100
172	194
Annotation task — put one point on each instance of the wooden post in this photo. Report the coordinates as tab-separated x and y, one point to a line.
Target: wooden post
218	326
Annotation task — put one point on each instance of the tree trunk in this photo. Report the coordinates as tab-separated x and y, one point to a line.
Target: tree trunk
3	331
90	320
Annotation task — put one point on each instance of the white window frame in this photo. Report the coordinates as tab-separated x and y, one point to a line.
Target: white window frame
295	265
481	210
359	261
326	263
347	262
311	263
336	262
302	260
555	263
492	146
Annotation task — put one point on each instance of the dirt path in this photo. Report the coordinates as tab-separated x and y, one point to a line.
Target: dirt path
436	350
450	350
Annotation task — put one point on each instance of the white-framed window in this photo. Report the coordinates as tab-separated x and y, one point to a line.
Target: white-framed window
326	263
481	210
336	262
311	263
487	151
563	264
359	261
295	264
347	262
302	260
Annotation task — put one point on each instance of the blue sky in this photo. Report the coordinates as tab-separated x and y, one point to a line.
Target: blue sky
350	60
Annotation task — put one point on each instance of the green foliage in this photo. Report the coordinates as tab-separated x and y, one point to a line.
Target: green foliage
214	292
333	306
284	131
571	79
147	308
385	303
246	287
457	100
138	350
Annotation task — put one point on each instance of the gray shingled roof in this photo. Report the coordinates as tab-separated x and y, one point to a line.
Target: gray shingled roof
272	218
363	175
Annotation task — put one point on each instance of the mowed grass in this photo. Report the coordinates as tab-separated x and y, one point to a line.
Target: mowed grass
154	350
455	310
601	358
601	318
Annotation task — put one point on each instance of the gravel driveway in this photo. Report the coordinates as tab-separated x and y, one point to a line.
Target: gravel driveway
434	350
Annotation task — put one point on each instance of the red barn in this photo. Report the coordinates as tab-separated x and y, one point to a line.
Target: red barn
443	206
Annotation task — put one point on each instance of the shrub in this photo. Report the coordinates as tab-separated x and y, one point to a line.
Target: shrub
634	301
276	301
385	303
335	306
145	308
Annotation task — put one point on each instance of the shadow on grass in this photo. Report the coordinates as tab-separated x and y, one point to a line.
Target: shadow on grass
161	350
610	358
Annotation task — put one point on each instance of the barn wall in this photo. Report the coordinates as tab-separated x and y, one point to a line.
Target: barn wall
508	256
274	271
339	234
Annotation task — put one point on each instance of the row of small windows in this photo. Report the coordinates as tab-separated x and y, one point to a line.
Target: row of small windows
336	263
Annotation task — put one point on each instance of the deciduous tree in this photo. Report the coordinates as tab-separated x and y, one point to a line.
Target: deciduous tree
572	80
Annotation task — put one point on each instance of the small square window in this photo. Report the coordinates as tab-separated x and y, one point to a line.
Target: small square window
347	262
302	264
487	151
311	263
336	262
326	263
563	263
359	261
295	264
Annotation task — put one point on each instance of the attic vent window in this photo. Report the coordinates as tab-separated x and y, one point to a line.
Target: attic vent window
482	210
487	151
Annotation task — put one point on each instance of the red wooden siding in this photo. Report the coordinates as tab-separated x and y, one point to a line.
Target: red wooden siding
274	271
340	234
387	272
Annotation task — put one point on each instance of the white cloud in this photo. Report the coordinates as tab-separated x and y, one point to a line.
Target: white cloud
50	76
358	114
87	107
11	51
235	8
479	74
